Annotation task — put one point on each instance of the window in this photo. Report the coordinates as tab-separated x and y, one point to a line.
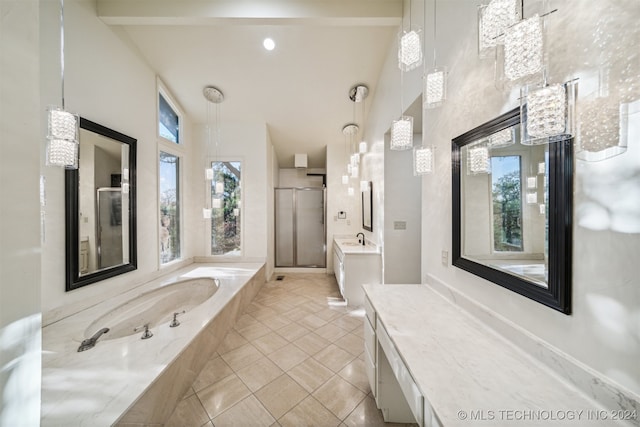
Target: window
169	207
226	219
506	190
168	120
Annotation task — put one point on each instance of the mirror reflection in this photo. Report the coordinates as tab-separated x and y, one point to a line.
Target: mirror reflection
367	207
100	207
512	210
104	201
504	201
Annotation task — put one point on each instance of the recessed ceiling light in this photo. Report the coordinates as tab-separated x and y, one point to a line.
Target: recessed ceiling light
269	44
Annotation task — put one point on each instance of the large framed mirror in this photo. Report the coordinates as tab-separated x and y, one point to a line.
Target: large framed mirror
512	210
100	207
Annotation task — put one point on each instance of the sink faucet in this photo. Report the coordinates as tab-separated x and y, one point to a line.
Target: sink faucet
90	342
360	239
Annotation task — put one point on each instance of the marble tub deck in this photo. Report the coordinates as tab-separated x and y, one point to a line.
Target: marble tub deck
127	380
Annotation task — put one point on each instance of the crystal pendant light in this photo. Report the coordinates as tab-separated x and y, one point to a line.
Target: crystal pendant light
502	138
523	50
435	87
409	51
435	80
214	96
409	47
423	160
402	133
351	191
349	130
358	94
62	139
547	113
62	135
478	158
604	128
493	20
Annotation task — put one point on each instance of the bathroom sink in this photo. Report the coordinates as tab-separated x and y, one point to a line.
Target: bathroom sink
351	244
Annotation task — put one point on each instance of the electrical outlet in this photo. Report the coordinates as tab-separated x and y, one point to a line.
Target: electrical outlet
445	257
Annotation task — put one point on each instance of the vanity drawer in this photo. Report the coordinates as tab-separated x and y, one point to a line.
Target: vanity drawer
408	386
370	369
370	312
369	339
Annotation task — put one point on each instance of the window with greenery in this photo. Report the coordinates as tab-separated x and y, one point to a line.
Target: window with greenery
507	203
168	120
226	216
169	207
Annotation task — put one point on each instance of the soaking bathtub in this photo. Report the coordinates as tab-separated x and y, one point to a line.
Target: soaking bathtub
127	380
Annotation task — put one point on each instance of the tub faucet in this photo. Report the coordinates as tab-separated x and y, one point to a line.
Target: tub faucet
175	322
146	334
360	240
90	342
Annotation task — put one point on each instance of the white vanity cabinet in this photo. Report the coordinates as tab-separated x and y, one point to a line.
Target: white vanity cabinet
396	393
435	364
354	265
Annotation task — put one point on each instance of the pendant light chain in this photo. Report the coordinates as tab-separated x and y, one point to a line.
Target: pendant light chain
62	50
435	2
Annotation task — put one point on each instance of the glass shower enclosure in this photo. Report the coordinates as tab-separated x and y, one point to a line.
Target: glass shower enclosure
300	227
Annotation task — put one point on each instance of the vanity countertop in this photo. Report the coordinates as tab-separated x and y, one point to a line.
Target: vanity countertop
469	374
350	245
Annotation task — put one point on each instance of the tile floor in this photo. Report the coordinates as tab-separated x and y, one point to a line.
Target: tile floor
294	358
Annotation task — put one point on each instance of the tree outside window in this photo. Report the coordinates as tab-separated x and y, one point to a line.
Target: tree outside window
507	204
226	214
169	208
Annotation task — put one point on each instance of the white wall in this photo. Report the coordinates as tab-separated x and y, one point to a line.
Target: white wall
21	139
249	143
602	332
272	183
401	250
292	177
339	200
106	81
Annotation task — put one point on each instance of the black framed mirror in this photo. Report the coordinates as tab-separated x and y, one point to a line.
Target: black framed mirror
100	207
512	210
367	207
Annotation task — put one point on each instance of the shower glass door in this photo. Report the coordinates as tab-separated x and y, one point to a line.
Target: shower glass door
300	227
